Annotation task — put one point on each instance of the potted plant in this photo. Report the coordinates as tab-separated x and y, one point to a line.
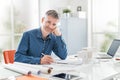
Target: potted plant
66	12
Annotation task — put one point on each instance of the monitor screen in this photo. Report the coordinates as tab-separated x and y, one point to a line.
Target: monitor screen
113	47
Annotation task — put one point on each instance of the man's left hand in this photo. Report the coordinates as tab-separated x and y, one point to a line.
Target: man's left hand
57	32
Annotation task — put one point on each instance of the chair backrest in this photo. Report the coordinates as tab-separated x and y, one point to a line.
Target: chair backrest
9	56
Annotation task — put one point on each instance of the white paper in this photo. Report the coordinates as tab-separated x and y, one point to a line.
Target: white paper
17	69
42	69
70	62
33	70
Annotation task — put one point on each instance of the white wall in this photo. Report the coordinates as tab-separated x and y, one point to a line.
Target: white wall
75	3
51	4
59	5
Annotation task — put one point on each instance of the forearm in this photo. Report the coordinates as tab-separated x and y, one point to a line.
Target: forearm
26	59
60	48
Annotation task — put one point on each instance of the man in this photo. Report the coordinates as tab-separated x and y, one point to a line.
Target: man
37	45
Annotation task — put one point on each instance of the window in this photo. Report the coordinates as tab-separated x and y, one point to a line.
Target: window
104	23
16	17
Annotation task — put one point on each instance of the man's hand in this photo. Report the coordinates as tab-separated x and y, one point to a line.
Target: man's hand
46	59
57	32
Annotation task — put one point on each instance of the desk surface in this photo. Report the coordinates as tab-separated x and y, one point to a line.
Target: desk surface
95	70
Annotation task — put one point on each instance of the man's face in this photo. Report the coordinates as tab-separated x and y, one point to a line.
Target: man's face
49	23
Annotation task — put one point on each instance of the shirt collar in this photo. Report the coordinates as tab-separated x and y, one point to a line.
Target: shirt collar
39	34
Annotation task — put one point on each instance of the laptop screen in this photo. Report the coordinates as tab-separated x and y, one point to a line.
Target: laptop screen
114	47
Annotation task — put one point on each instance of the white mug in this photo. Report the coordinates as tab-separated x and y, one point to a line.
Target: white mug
85	54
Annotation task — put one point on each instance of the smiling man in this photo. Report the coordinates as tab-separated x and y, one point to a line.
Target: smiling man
37	45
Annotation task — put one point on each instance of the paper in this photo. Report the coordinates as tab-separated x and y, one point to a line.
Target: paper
65	65
70	62
41	68
28	69
17	69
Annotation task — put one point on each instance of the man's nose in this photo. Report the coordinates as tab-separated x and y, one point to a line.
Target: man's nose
51	26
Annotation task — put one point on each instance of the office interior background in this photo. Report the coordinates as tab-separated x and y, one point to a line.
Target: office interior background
91	23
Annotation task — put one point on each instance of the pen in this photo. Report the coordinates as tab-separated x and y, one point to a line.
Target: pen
43	54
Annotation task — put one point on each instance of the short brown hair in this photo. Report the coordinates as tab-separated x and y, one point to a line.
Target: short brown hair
52	13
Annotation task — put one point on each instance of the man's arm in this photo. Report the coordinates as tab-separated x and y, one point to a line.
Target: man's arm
21	53
60	48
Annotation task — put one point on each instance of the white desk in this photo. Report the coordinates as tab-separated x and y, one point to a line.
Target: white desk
93	71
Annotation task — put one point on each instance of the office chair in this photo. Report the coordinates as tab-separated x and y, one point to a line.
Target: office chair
9	56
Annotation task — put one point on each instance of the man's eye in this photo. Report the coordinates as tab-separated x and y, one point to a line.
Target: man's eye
48	22
54	24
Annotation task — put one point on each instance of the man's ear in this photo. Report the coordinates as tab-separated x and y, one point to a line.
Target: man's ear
42	19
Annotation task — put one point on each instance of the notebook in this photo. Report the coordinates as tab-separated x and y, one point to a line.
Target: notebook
111	51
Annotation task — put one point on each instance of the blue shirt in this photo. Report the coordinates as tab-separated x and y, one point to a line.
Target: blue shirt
32	45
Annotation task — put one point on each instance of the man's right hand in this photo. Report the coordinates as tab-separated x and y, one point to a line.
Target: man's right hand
46	59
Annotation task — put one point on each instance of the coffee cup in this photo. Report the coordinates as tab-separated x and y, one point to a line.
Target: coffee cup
85	54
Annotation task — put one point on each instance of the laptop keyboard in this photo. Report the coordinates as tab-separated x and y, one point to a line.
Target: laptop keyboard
103	56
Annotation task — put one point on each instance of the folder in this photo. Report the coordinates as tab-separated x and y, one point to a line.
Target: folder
30	77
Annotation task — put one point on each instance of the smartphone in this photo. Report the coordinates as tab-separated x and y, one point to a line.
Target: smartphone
66	76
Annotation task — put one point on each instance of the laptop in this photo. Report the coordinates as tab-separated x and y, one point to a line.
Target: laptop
111	51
